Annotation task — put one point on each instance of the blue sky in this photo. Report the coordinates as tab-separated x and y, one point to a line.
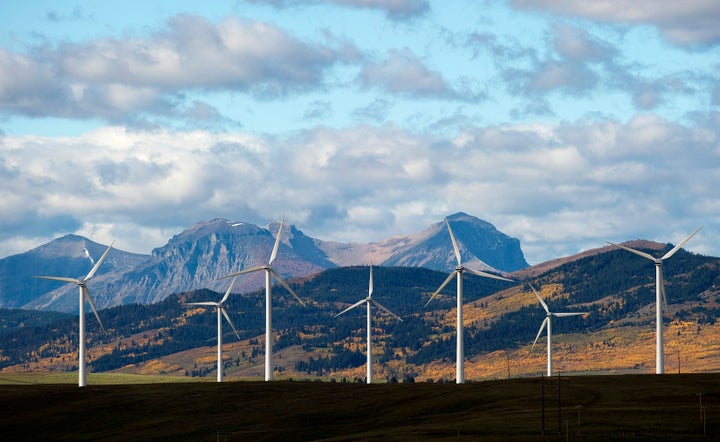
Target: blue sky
565	124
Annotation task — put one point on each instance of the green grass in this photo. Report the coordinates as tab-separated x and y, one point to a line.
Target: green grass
628	407
92	378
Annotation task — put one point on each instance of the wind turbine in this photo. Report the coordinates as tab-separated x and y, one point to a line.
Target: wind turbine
459	269
660	297
368	300
220	313
269	272
548	321
84	295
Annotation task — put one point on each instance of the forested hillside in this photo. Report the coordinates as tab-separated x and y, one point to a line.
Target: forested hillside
615	287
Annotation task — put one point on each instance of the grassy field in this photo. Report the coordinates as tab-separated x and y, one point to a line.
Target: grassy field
92	378
112	407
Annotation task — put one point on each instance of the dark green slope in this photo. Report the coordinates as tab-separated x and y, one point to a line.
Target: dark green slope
616	278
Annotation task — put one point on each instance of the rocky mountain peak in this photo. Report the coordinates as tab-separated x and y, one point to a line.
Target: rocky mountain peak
201	255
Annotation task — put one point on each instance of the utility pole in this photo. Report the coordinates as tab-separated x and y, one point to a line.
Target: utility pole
700	396
542	384
508	364
559	408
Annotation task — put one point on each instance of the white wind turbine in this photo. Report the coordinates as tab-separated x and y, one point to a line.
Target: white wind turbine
459	269
220	313
660	297
548	322
84	295
268	300
368	300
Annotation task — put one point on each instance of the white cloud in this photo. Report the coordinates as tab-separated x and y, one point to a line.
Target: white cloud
361	129
115	79
394	9
689	22
543	184
402	72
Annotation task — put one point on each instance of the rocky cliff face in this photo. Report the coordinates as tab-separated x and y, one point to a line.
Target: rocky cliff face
481	247
70	256
197	258
201	255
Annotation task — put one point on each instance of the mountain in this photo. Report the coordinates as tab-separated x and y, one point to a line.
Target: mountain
481	246
199	256
196	258
501	319
71	256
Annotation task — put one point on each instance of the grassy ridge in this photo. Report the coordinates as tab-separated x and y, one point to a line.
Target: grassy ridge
631	407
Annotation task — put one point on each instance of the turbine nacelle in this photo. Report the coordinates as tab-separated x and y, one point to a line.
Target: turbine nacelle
660	296
547	323
220	312
458	272
269	272
84	296
368	301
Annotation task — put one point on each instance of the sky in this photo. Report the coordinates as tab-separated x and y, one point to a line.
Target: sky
565	124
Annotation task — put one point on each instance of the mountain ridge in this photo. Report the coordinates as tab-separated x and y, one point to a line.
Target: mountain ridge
199	256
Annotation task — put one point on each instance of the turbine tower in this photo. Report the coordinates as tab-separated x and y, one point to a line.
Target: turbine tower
84	295
660	297
459	269
220	313
269	272
368	301
548	321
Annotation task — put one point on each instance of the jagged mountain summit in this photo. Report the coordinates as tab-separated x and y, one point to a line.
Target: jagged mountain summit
71	255
481	246
201	255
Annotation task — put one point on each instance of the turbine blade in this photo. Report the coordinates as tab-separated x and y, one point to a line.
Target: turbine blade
352	307
381	307
637	252
662	289
97	264
287	287
227	293
682	243
454	243
561	315
537	295
244	271
542	327
442	286
370	288
86	294
229	322
205	303
59	278
277	243
486	275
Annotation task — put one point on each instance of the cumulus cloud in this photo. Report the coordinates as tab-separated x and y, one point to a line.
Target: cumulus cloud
573	43
376	111
576	183
687	23
113	78
402	72
394	9
577	63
